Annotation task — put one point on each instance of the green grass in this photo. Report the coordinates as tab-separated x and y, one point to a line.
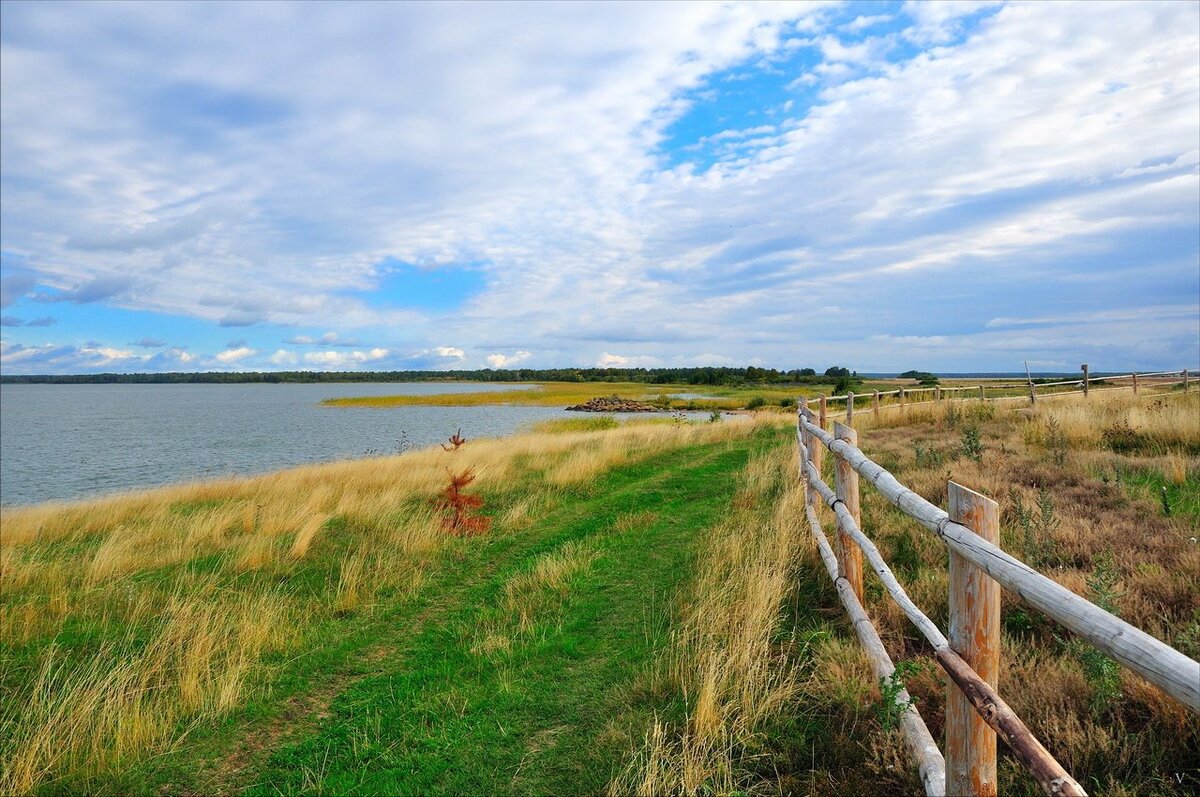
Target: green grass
1181	499
406	701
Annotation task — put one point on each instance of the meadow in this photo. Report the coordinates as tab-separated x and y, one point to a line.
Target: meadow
638	610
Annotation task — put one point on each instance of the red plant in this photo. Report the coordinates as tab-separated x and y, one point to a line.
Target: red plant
459	509
456	441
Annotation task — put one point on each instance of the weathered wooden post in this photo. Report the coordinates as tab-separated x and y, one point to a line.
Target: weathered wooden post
821	417
1084	368
982	393
1029	376
974	635
803	439
901	397
937	393
846	487
849	409
877	400
1185	381
816	449
1135	384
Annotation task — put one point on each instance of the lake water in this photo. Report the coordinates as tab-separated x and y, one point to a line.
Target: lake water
73	441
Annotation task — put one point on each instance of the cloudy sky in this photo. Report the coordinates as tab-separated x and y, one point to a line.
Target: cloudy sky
947	186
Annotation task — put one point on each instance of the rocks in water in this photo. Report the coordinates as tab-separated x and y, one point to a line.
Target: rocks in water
613	404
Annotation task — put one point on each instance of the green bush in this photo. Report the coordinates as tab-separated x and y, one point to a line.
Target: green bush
756	402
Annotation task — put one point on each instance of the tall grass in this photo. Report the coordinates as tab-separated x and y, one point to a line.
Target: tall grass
1116	738
724	660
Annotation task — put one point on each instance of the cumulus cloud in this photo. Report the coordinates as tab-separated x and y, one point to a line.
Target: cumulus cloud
607	360
334	360
450	352
230	356
507	360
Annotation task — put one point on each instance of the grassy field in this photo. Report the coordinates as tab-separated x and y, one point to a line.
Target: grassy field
282	632
645	615
562	394
1081	490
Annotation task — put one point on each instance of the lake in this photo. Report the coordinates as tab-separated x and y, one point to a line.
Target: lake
75	441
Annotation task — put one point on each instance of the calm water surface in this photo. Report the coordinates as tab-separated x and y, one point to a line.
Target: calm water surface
73	441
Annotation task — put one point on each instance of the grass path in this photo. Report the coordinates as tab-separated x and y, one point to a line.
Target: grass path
412	702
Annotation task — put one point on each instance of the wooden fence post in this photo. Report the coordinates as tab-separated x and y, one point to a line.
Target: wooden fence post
812	450
1185	381
1084	368
816	450
901	397
876	403
982	393
1135	384
1029	376
974	635
849	409
821	417
846	487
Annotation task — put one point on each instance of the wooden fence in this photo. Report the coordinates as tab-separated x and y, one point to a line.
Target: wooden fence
1028	390
970	652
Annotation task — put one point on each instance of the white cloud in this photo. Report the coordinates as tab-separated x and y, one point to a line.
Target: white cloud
343	359
450	351
284	357
507	360
607	360
234	355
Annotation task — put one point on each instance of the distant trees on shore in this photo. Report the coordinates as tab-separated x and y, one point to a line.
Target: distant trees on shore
719	376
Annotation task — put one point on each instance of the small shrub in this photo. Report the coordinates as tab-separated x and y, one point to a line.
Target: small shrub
928	457
714	416
971	446
953	415
756	402
890	708
459	509
1056	441
1037	527
787	402
1121	438
455	442
1102	673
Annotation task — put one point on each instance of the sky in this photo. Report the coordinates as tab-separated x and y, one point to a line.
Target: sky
944	186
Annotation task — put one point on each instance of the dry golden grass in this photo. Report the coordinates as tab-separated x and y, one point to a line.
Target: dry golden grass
723	658
1128	742
93	716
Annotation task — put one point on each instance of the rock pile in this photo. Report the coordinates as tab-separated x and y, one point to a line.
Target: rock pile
613	404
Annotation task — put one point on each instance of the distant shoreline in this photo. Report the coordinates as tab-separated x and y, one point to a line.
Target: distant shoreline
651	376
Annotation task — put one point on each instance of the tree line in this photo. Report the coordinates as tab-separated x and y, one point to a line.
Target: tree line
750	375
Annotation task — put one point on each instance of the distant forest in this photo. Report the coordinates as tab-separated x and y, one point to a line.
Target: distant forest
690	376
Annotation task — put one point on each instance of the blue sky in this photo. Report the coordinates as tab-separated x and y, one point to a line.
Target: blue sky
947	186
